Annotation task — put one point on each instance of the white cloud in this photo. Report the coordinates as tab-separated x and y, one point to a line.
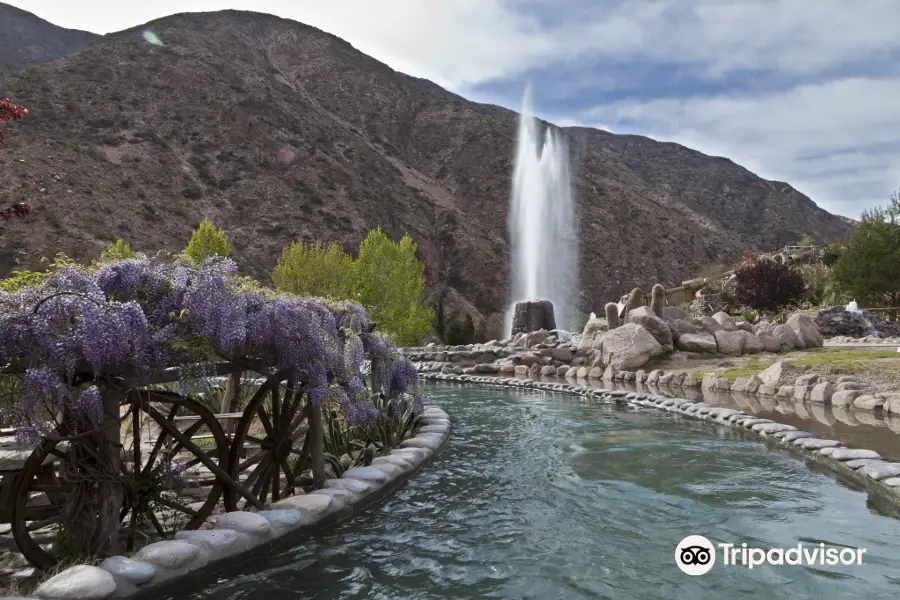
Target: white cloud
816	53
838	141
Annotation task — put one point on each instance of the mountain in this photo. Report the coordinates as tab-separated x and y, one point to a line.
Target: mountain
129	139
27	40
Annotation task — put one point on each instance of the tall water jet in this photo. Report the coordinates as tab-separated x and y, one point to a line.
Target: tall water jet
542	220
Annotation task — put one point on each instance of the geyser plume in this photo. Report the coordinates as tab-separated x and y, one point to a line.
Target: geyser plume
542	219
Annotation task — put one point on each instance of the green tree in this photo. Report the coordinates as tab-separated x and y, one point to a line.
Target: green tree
868	263
207	241
390	282
117	250
805	241
315	270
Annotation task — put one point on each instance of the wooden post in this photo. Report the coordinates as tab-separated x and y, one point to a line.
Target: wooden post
107	540
317	446
229	401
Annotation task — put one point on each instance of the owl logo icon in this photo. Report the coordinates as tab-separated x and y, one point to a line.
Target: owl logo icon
695	555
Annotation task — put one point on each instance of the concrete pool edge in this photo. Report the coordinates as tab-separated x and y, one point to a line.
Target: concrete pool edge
864	468
161	566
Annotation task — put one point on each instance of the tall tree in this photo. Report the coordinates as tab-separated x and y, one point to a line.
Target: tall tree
869	263
390	283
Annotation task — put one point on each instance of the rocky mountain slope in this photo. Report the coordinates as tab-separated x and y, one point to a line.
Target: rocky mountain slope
27	40
140	141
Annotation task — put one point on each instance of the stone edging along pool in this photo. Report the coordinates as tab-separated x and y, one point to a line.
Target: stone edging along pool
160	565
863	467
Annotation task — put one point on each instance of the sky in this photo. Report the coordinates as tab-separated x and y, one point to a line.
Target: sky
802	91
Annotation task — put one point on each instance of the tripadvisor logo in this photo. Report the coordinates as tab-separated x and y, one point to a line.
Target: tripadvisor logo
696	555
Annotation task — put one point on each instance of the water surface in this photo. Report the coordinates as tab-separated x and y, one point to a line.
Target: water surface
538	496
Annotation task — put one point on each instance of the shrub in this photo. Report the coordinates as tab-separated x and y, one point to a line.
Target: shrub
117	250
27	279
315	270
822	289
806	241
750	315
10	112
207	241
768	286
831	254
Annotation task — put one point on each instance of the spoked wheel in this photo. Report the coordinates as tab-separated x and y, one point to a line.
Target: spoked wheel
177	461
270	447
44	487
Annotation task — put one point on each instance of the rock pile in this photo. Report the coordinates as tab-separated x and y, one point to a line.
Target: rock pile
838	321
625	348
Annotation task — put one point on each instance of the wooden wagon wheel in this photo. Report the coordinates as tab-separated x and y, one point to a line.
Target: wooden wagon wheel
161	462
40	500
179	446
269	449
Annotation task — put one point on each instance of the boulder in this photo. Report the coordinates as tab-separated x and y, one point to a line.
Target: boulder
770	342
596	373
724	319
730	342
629	347
560	353
697	342
808	335
644	317
891	404
709	324
845	398
821	393
869	402
774	374
679	327
587	335
752	344
536	337
786	336
745	325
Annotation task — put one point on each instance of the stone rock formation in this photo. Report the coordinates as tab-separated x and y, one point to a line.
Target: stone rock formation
627	348
838	321
533	316
645	317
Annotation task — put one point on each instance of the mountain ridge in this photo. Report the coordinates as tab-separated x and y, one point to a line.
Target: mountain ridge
29	40
152	139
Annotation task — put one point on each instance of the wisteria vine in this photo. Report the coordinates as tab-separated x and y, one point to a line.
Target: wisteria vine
141	315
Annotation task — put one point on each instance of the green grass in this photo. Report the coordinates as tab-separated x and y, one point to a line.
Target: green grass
753	367
844	360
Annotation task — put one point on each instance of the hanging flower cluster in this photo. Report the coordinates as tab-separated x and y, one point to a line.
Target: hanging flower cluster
137	316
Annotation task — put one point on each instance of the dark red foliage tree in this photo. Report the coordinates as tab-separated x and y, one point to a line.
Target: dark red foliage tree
12	112
767	285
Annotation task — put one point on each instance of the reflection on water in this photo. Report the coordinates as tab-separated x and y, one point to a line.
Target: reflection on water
541	497
855	428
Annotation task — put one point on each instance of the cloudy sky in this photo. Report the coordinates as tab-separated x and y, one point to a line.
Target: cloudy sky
803	91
